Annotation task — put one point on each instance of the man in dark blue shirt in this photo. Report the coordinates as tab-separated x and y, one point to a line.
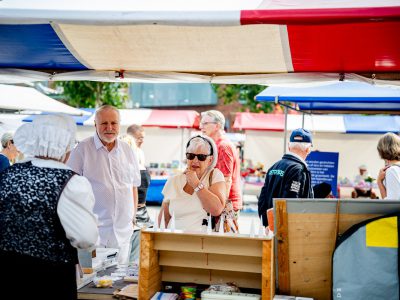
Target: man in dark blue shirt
289	177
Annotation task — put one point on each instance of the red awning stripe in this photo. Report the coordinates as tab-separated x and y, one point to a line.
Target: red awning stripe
320	16
173	119
254	121
355	47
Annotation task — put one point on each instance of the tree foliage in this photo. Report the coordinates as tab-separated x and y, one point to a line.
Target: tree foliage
92	94
245	94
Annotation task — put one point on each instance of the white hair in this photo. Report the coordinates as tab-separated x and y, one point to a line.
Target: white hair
106	107
207	143
217	117
300	146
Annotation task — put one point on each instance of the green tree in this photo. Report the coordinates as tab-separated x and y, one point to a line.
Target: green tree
245	94
92	94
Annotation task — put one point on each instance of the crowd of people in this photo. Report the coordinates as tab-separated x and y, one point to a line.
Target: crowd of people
65	196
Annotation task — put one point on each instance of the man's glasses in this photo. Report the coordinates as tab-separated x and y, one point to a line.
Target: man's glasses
200	157
205	123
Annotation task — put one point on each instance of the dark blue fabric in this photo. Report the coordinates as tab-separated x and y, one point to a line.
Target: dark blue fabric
34	46
4	163
351	96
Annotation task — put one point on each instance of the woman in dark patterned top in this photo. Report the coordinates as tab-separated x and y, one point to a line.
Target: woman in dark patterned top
46	213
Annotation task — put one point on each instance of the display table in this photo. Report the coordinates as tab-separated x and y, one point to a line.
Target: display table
90	291
205	259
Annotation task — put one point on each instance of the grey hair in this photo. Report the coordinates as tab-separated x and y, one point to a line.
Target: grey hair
134	128
216	115
300	146
208	143
106	107
5	138
389	146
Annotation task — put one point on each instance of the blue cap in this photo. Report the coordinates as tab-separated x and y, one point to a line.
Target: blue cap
301	136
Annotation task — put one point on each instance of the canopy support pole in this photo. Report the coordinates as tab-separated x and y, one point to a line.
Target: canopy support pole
302	120
285	136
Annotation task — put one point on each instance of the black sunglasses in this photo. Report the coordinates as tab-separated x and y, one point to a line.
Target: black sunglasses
200	157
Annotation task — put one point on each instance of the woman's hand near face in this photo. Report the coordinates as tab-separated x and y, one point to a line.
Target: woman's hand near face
191	178
382	174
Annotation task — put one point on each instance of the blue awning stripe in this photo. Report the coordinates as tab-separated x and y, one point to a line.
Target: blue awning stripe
371	124
34	47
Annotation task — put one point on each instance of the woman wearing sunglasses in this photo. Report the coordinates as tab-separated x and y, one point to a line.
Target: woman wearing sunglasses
9	152
198	191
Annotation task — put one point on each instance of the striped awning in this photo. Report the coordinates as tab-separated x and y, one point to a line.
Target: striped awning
145	117
197	41
318	123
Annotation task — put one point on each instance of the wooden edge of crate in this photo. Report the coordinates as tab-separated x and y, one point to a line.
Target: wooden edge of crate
282	247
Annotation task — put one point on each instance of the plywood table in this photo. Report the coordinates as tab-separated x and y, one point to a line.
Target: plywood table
205	259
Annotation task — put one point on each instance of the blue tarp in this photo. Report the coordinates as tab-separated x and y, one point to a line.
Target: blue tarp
345	96
371	124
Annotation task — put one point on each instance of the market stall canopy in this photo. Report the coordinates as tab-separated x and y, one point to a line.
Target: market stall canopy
155	118
340	96
225	41
318	123
26	98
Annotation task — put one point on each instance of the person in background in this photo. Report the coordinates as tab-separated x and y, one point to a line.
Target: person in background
46	213
362	188
389	176
212	125
198	191
9	151
135	138
290	176
138	134
112	168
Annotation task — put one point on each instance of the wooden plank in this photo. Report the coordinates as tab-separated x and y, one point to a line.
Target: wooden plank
205	276
216	244
312	241
93	296
282	238
211	261
268	275
148	285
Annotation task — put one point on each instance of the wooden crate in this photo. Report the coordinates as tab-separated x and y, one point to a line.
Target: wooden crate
205	259
306	231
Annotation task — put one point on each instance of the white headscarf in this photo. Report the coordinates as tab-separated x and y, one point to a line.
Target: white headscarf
50	136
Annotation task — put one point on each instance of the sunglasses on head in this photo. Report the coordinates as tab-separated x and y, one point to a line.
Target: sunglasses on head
200	157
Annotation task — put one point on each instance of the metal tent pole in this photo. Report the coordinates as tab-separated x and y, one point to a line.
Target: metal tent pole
285	137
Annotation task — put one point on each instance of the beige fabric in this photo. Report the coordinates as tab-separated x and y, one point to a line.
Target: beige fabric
237	49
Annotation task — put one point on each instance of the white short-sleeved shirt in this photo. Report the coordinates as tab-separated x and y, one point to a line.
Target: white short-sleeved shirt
392	183
112	174
188	210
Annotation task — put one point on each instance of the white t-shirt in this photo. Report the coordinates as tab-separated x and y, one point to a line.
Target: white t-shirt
392	183
188	210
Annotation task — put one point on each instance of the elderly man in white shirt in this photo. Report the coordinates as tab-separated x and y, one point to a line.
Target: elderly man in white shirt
112	168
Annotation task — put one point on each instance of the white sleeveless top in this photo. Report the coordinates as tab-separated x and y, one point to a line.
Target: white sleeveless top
188	210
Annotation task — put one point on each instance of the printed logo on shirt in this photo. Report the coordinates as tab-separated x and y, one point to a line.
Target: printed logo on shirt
276	172
295	187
